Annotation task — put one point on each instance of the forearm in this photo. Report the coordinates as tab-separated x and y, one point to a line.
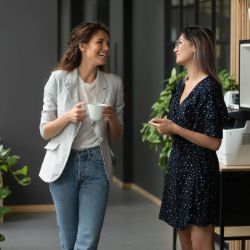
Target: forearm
115	129
202	140
53	128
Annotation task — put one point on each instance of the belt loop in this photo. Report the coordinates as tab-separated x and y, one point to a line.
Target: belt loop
90	154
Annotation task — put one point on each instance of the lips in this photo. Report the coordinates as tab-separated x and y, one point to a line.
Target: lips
103	56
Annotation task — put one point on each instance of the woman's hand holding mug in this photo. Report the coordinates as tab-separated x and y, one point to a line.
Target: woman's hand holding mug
78	112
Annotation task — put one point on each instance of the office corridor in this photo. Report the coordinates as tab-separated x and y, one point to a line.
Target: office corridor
131	223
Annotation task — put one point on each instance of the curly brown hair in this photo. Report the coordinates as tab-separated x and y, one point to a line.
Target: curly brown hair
82	33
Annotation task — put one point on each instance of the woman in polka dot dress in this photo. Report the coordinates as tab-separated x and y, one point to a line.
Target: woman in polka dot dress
196	116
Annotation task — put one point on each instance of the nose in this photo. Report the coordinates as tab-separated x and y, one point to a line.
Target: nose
106	46
175	49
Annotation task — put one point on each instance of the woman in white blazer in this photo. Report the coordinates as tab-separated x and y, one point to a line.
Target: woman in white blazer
77	163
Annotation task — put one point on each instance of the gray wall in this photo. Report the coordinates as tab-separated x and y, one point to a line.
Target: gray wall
90	10
65	25
148	72
28	52
147	36
116	67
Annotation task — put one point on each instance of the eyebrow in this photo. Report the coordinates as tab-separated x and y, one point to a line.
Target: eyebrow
102	39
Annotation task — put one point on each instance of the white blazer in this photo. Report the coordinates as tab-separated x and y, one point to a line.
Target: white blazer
61	93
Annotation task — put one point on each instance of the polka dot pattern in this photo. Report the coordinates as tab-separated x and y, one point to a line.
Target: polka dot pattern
191	187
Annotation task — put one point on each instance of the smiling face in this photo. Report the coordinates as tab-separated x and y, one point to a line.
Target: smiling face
184	51
96	51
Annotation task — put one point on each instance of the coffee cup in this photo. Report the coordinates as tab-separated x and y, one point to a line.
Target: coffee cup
95	111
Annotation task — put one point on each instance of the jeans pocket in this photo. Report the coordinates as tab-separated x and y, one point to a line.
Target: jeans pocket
97	169
97	156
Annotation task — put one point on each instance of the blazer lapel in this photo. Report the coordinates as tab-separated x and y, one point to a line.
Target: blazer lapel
73	97
72	86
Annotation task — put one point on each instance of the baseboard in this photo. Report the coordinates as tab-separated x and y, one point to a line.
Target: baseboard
43	208
131	186
121	184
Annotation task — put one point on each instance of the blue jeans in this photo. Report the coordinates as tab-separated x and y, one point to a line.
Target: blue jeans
80	197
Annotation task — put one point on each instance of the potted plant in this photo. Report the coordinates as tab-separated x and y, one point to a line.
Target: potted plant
162	143
20	174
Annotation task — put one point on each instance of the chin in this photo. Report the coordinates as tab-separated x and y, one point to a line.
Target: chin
179	62
101	63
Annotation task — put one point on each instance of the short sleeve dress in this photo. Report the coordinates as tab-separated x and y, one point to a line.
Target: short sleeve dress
191	187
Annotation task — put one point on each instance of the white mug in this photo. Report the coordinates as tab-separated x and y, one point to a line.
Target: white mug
95	111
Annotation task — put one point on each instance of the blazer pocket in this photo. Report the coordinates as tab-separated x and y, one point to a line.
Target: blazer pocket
52	145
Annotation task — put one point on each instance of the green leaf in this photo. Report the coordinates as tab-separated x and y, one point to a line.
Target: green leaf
13	160
22	171
4	167
7	161
4	153
3	211
4	192
25	181
2	238
228	81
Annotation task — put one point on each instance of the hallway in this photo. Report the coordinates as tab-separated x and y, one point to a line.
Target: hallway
131	223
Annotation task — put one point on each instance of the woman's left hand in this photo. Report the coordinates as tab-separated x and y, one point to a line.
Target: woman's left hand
109	114
115	128
163	125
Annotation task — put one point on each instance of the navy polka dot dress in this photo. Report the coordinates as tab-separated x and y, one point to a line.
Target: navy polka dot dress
192	182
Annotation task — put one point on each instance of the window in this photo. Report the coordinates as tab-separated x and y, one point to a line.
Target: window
214	14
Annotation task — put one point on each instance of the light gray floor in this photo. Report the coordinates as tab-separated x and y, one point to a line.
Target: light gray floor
131	223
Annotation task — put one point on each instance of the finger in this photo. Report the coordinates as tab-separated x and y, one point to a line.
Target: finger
84	106
156	125
80	111
80	105
157	120
107	109
106	114
154	120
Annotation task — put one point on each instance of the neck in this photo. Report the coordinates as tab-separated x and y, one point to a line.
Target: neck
193	73
87	72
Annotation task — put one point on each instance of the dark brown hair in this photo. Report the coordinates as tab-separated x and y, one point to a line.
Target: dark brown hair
204	41
82	33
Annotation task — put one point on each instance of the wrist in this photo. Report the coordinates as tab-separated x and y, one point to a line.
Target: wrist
66	117
113	121
175	128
